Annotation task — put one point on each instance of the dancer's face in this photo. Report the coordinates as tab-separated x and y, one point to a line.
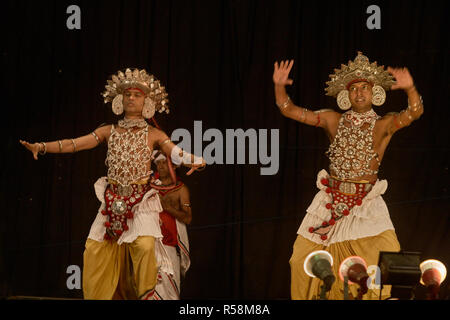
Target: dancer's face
133	102
360	94
162	168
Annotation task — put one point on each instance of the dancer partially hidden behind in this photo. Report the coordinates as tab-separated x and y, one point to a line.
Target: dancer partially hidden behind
348	216
124	253
176	214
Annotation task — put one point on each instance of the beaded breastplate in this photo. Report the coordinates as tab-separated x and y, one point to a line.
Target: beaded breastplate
128	156
351	152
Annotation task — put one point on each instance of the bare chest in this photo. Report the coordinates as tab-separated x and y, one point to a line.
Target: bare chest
172	198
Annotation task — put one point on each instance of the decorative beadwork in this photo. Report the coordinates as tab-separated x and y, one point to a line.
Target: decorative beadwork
131	123
345	195
352	149
128	156
360	68
118	208
136	79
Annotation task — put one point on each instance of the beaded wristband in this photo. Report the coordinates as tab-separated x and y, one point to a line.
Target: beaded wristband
303	115
74	145
416	106
285	104
45	149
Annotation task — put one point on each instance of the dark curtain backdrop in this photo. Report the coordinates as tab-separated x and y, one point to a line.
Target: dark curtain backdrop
216	60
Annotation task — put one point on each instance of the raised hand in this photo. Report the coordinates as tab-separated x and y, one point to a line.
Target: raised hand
281	73
403	78
33	147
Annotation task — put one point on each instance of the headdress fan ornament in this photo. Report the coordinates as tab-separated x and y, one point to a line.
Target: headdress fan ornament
137	79
358	70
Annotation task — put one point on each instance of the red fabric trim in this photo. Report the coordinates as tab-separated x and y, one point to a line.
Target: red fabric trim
395	122
136	89
182	246
149	295
357	80
168	229
164	192
157	296
174	285
155	123
318	120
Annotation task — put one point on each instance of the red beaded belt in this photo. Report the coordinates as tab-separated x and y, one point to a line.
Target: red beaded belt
345	195
119	201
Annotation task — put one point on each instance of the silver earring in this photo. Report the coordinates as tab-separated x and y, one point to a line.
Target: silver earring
117	104
378	95
149	108
343	100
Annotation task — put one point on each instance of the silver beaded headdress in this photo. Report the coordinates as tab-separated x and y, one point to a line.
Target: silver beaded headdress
359	70
137	79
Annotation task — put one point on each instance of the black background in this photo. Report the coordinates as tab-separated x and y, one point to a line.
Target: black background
216	60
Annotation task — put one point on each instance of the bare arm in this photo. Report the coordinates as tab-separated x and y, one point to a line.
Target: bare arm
322	118
184	214
167	146
86	142
403	119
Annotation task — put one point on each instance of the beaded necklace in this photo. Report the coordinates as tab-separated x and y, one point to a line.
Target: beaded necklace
131	123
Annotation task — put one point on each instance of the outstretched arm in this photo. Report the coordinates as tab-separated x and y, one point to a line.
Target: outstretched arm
415	104
69	145
176	154
321	118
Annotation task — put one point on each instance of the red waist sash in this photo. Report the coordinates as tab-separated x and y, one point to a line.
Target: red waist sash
119	201
168	229
345	195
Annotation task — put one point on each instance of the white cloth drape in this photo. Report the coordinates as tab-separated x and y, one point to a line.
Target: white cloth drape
144	223
368	219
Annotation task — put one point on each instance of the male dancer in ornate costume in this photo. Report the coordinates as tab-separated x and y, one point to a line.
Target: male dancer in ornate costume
348	216
124	253
176	214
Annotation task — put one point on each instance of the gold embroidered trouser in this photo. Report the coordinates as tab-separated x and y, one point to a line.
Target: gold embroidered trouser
304	287
112	271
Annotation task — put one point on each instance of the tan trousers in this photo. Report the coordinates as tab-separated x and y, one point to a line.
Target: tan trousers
112	271
304	287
